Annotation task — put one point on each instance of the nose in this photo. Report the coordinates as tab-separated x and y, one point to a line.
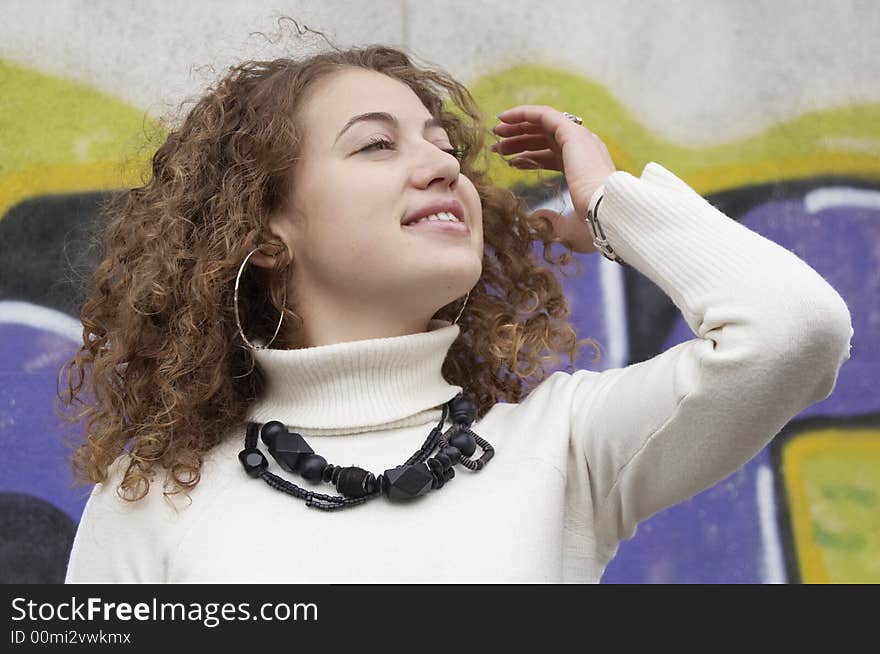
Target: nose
434	164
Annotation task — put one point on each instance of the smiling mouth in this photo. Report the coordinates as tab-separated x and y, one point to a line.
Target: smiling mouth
438	226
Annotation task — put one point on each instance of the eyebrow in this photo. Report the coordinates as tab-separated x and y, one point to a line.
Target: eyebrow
385	118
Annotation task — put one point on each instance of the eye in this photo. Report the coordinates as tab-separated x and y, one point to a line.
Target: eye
376	141
457	152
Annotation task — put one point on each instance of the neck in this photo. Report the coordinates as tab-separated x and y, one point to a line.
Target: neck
314	334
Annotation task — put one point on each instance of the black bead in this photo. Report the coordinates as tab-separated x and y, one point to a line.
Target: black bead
312	467
463	410
352	481
289	449
443	459
408	481
464	442
253	461
271	430
452	453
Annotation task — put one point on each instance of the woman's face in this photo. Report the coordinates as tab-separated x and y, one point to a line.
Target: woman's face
357	271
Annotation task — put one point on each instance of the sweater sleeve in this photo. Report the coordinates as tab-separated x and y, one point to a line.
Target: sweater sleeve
771	335
119	541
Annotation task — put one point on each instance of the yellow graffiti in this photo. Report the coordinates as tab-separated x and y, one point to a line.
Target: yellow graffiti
84	178
61	136
832	484
835	141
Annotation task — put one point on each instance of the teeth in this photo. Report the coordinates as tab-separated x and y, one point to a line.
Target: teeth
438	216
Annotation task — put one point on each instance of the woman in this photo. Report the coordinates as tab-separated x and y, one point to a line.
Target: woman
269	311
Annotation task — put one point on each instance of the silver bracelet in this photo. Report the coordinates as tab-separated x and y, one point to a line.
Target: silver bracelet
599	239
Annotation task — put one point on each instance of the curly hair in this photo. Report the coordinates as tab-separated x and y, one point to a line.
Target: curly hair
162	363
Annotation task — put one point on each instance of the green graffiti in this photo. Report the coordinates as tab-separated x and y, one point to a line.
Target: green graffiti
859	495
847	542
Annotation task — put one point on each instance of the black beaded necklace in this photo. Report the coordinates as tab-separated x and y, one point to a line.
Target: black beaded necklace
414	478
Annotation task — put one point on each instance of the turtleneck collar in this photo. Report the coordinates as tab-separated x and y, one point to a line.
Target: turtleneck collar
358	386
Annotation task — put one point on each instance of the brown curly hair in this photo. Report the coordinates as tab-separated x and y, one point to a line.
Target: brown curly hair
168	372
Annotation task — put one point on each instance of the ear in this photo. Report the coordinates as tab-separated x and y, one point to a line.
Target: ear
266	255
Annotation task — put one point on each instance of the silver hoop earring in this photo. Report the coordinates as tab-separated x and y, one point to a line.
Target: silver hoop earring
235	302
454	322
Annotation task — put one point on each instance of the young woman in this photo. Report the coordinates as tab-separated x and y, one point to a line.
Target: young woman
339	391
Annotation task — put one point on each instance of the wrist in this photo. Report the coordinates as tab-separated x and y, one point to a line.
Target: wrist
599	239
595	197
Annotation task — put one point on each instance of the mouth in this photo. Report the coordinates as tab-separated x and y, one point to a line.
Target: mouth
438	227
440	209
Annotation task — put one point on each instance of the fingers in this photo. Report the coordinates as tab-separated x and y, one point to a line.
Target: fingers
522	143
532	113
547	139
548	118
503	129
540	159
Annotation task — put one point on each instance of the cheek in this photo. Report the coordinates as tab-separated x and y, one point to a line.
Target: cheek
342	239
472	197
473	205
343	223
352	233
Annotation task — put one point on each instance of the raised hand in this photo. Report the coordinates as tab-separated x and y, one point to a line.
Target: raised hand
551	141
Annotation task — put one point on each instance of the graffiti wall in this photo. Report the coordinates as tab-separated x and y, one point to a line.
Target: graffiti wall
777	127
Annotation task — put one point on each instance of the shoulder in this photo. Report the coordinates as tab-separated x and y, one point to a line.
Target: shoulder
549	405
557	391
162	499
119	540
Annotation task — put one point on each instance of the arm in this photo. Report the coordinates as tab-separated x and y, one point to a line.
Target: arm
771	335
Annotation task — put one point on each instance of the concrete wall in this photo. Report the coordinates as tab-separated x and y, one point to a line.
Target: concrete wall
770	109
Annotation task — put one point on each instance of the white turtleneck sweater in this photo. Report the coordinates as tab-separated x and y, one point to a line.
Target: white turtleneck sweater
578	464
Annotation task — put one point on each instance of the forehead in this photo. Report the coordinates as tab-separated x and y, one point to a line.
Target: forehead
346	93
